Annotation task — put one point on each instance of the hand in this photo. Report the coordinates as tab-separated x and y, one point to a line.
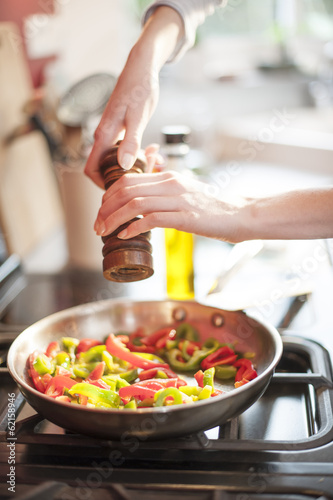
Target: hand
128	111
135	95
165	199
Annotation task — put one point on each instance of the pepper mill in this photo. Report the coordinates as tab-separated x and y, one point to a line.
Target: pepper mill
124	260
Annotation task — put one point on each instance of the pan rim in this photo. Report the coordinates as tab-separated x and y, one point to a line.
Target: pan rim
100	305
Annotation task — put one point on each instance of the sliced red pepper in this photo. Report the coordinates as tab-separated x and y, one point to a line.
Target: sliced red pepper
117	348
161	343
223	355
98	383
97	372
152	372
138	347
52	349
148	374
86	344
60	370
163	382
191	346
58	384
217	392
241	382
123	338
166	332
199	376
136	391
40	381
245	370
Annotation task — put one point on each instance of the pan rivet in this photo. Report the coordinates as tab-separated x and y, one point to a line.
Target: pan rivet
179	314
217	319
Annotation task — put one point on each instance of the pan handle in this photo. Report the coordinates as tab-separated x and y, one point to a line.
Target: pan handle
294	306
240	254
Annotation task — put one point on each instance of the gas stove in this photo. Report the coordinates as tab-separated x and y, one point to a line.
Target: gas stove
280	448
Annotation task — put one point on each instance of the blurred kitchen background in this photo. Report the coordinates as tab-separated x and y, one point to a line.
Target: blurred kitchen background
256	91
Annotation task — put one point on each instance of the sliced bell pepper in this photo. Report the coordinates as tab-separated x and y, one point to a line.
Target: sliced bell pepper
135	343
96	394
199	378
208	378
136	391
95	353
131	405
117	348
206	392
57	385
169	395
154	337
193	363
245	370
187	331
157	372
86	344
60	370
69	343
52	349
62	358
241	382
97	372
225	372
42	364
222	356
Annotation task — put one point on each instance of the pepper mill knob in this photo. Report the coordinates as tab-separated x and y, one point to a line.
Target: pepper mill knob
124	260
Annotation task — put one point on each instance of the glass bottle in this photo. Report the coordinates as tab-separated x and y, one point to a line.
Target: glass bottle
179	245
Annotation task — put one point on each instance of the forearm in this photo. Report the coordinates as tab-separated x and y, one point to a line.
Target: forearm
303	214
159	37
193	13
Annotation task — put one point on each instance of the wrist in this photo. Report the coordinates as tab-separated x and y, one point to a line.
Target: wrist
160	36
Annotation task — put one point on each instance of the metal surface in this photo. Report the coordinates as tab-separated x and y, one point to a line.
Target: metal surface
85	99
98	319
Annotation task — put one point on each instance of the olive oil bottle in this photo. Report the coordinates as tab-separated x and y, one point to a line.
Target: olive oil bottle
179	245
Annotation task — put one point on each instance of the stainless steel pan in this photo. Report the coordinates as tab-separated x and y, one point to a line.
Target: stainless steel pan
98	319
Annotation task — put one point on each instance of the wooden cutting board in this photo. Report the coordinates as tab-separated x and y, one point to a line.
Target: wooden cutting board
30	203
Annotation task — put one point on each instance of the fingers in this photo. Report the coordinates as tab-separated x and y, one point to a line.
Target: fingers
135	207
107	134
163	220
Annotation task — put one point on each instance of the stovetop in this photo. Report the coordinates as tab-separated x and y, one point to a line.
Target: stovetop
280	448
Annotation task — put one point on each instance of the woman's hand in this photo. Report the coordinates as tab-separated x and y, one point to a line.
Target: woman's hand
136	93
166	199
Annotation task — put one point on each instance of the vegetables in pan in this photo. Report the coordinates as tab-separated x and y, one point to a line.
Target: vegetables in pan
130	371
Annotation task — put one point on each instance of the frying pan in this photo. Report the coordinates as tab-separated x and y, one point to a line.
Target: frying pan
98	319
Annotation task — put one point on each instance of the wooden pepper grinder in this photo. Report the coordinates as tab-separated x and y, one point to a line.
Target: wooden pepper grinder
124	260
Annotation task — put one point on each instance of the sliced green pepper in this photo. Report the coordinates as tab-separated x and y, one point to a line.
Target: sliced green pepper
190	390
225	371
84	370
184	350
161	395
96	395
43	364
212	344
131	405
206	392
70	343
192	364
208	378
187	331
63	359
108	360
93	354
